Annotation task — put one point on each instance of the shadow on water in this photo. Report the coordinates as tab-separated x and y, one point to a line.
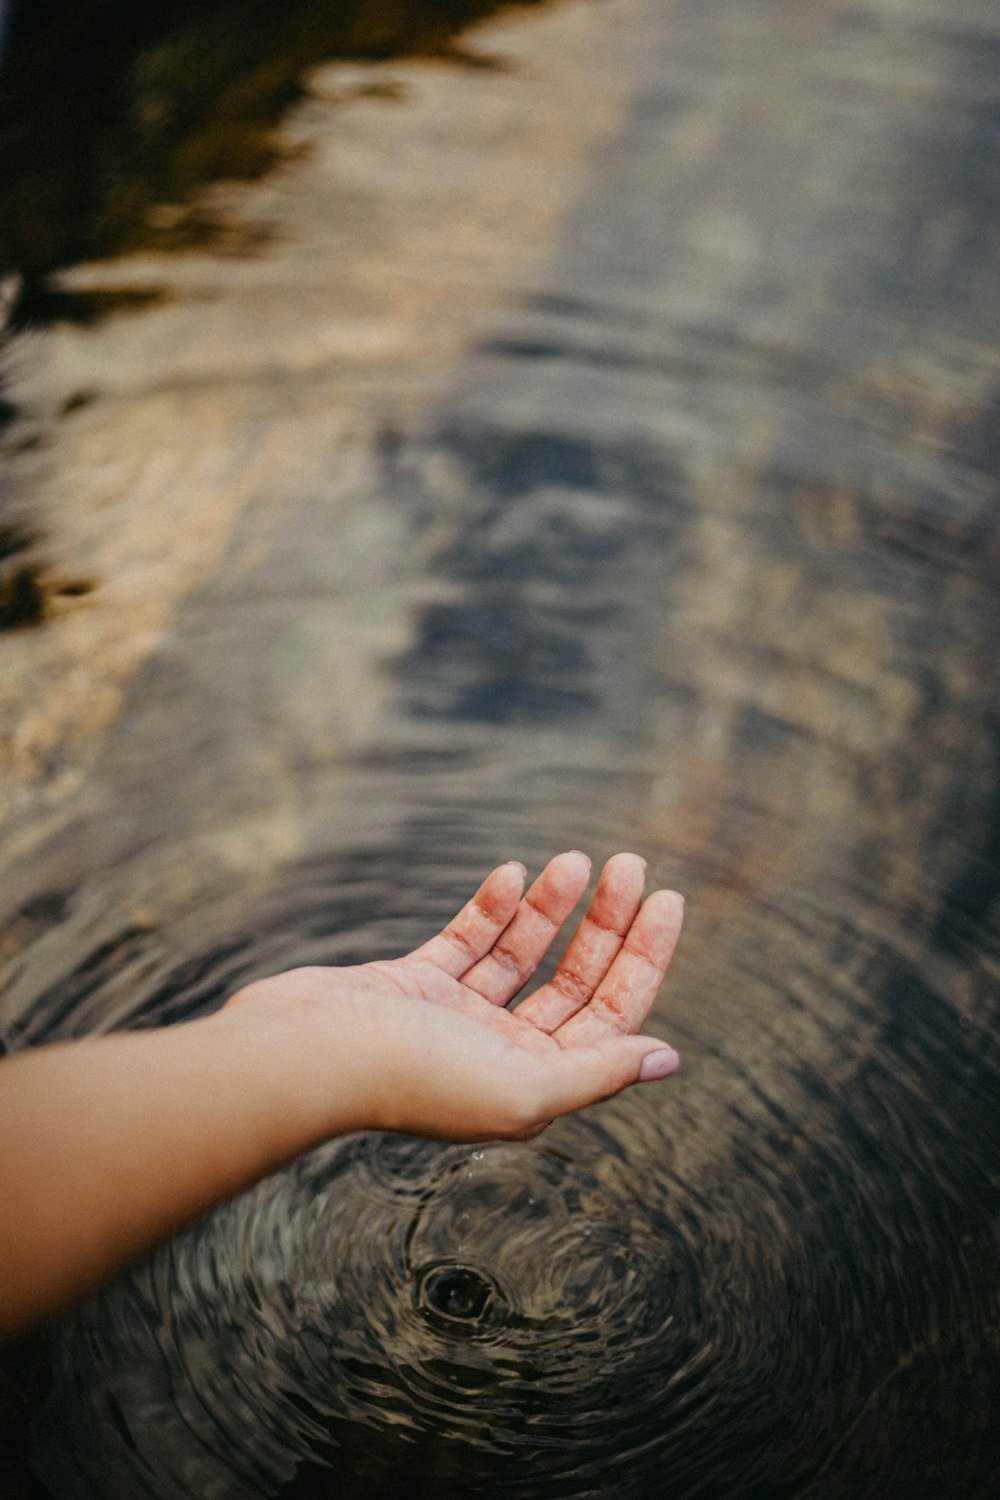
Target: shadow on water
22	600
694	548
27	586
113	116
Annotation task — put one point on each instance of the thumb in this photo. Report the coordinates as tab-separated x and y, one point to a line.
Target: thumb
586	1075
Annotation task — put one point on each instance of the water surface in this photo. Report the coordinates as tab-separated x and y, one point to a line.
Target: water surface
598	450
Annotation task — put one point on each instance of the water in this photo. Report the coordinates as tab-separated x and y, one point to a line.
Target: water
598	449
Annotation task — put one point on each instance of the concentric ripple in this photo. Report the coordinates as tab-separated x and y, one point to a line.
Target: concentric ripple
685	541
508	1297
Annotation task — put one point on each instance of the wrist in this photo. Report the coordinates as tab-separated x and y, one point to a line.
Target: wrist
313	1058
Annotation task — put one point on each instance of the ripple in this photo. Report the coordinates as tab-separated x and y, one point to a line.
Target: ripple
692	550
508	1297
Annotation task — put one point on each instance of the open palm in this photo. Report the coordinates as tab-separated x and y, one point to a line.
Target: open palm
606	980
437	1049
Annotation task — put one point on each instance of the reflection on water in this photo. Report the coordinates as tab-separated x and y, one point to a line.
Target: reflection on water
630	480
112	117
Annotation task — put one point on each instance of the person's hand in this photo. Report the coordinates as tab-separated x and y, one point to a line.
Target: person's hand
425	1043
113	1142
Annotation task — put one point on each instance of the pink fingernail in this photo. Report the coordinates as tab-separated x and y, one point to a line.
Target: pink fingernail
659	1065
518	866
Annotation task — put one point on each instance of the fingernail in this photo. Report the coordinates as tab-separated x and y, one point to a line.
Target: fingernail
581	854
659	1065
518	866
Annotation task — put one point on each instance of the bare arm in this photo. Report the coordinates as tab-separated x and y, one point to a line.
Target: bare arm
113	1143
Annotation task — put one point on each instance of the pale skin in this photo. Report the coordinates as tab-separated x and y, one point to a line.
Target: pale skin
113	1143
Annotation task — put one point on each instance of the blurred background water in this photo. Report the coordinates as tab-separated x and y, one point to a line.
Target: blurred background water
428	443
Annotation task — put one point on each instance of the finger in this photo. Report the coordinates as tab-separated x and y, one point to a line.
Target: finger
478	925
594	945
622	1000
517	953
586	1075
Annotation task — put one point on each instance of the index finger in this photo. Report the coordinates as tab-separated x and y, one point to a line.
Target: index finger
472	933
519	950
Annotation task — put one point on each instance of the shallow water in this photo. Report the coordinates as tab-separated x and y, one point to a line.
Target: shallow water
599	450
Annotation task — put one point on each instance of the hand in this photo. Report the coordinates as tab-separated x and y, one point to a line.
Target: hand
428	1044
164	1124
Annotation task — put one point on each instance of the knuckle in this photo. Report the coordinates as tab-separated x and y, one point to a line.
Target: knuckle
507	960
613	1009
607	923
641	954
454	935
539	911
570	984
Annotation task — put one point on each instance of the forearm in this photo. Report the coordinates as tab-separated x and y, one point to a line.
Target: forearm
112	1143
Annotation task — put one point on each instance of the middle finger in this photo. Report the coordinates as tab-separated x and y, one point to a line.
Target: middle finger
520	948
595	944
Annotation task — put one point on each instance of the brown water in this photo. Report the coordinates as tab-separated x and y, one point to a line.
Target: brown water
598	449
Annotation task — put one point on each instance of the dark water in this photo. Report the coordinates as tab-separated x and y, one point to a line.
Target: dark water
109	113
686	541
